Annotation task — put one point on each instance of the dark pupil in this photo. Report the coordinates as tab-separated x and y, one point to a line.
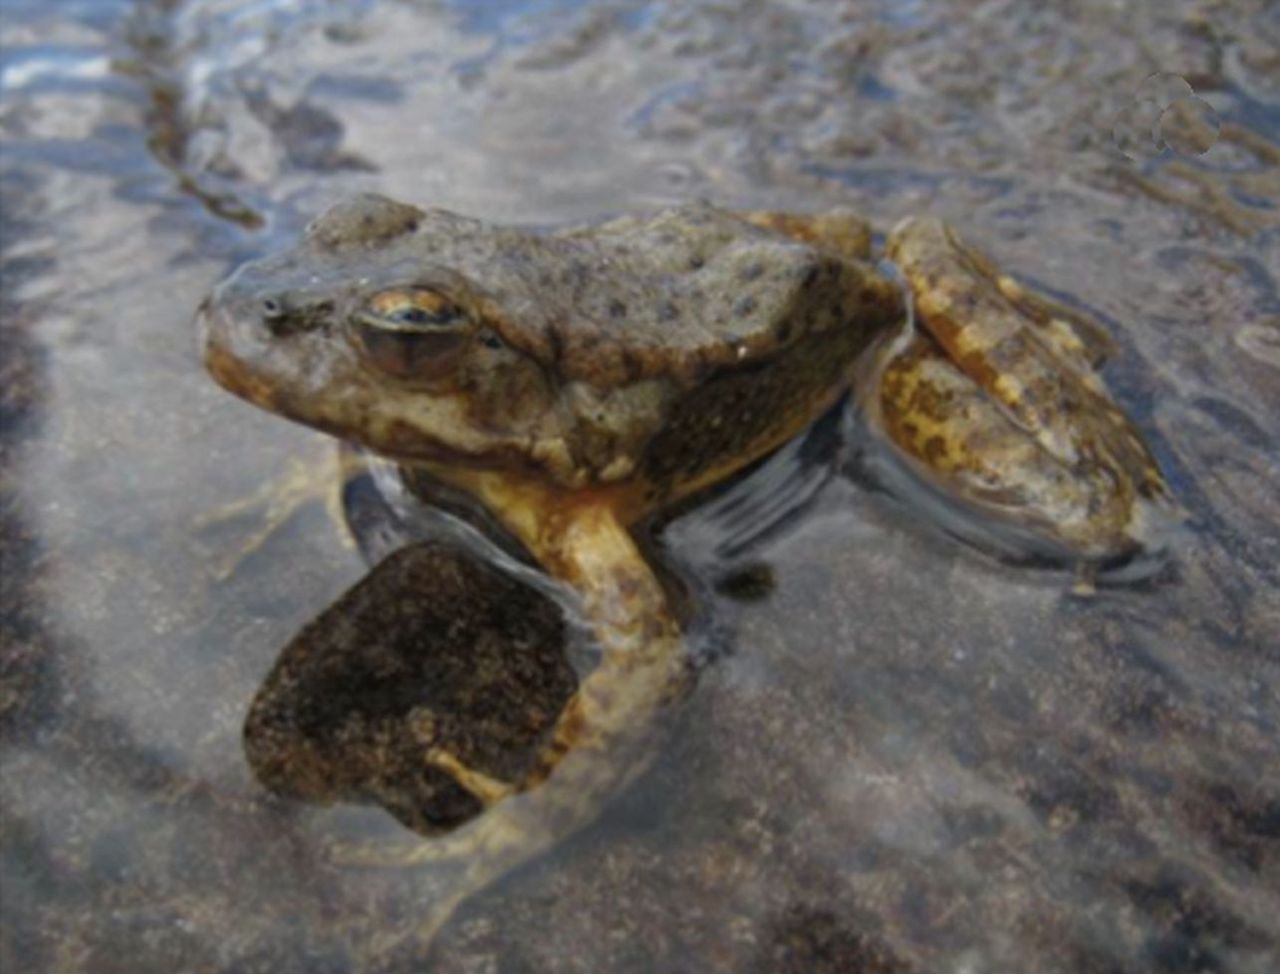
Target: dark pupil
411	355
413	315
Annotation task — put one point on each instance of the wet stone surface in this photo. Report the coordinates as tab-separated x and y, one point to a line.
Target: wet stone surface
432	650
900	756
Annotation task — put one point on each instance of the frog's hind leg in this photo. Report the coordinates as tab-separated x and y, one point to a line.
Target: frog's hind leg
959	445
840	231
996	400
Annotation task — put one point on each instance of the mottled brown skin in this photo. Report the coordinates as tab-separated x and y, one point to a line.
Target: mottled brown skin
574	382
997	396
585	345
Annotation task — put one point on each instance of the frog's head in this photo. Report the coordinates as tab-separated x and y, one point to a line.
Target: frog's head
376	328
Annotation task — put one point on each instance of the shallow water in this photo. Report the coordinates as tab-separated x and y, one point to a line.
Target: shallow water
900	756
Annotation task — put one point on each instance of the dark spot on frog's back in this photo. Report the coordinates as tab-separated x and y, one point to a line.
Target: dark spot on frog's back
815	940
935	449
363	219
632	365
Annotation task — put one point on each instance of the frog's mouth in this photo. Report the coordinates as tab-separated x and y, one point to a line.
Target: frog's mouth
215	330
231	374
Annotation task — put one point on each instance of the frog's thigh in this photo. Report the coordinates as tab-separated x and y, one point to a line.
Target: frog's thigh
1038	371
956	279
986	337
839	230
956	436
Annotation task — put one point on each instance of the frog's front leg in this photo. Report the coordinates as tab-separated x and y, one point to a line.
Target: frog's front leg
996	399
606	732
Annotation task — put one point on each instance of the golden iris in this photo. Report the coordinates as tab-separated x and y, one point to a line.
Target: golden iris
412	332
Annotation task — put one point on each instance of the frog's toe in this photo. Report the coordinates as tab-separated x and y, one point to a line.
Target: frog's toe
381	855
454	848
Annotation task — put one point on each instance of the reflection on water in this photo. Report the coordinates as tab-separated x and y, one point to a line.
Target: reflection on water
899	756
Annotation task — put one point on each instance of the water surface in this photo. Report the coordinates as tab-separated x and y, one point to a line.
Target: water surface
903	756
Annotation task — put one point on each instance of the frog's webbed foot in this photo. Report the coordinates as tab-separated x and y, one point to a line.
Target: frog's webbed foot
269	508
456	867
996	399
466	862
482	838
565	794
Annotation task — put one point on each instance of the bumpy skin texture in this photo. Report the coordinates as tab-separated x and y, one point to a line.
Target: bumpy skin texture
652	356
587	344
997	398
575	381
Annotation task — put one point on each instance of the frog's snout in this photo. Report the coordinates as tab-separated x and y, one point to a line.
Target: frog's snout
286	314
245	315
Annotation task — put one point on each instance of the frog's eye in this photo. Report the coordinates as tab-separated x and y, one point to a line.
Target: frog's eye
412	332
416	309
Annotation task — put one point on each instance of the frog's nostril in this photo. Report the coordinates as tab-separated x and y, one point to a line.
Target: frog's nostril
278	316
289	315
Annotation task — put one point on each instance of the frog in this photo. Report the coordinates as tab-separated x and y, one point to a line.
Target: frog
577	382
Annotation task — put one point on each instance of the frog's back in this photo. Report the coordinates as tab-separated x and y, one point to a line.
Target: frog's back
674	295
695	290
690	341
757	331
